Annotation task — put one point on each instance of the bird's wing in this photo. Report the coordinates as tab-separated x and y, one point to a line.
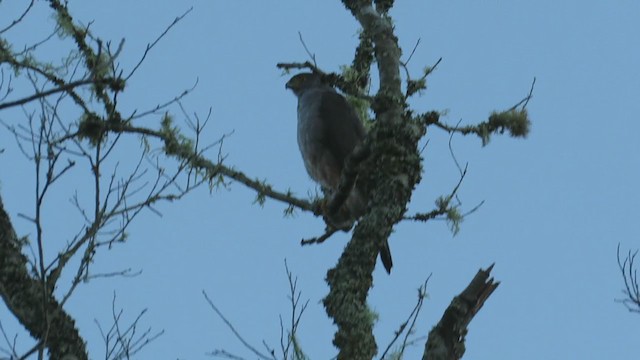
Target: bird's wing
343	129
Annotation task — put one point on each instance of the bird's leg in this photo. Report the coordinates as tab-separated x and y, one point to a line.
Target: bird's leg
337	218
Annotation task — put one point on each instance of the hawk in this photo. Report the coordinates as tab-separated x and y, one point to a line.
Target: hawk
329	129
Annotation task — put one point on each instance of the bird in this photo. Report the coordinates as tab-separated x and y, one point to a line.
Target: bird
329	129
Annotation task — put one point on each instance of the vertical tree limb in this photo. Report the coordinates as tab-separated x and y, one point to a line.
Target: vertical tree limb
388	178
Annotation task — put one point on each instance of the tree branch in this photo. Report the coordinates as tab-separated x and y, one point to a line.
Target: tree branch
235	332
629	272
23	296
175	146
62	88
446	339
387	179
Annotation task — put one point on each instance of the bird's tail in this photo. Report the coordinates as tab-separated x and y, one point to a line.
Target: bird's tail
385	256
357	207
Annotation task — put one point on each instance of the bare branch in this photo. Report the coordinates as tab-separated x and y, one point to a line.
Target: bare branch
410	322
524	102
234	331
125	342
629	273
11	345
225	355
155	42
296	315
63	88
311	55
413	51
444	209
19	19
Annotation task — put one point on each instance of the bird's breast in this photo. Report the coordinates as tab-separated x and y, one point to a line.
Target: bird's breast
318	160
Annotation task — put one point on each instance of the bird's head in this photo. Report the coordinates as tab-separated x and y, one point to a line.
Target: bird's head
299	83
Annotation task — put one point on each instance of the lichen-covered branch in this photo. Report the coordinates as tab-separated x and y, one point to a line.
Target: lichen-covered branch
388	177
93	126
29	296
178	146
38	95
24	296
514	120
446	339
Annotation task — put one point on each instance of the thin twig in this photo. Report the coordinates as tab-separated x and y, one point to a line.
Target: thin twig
405	63
525	101
19	19
311	55
453	155
233	329
631	283
41	94
413	316
153	44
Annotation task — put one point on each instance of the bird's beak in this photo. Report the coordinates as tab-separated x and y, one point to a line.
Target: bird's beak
289	85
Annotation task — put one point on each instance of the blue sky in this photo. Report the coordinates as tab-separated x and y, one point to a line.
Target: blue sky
556	204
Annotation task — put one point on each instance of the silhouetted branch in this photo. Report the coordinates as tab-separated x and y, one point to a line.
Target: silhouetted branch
312	56
445	210
124	342
629	273
162	106
11	350
415	86
303	65
54	146
351	88
155	42
19	19
408	326
223	353
446	339
297	310
63	88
